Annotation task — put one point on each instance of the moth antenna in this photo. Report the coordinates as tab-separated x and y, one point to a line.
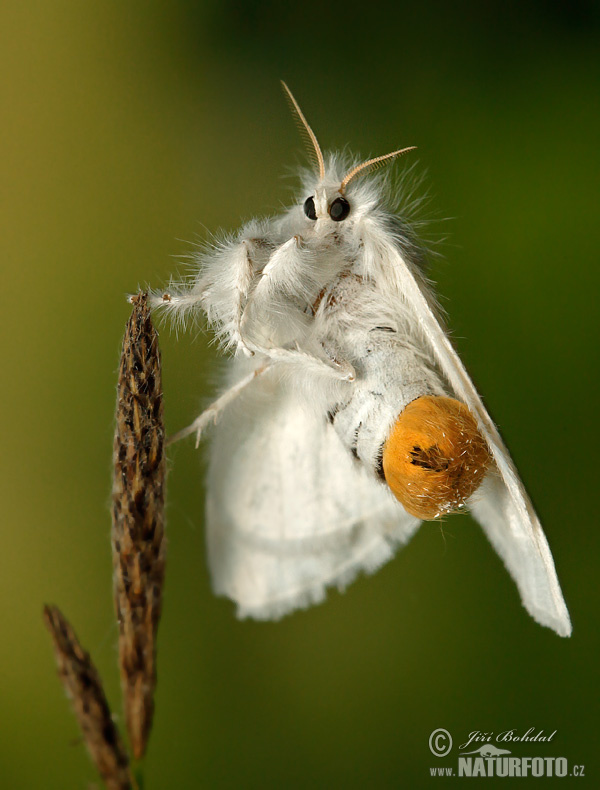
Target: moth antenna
373	164
307	133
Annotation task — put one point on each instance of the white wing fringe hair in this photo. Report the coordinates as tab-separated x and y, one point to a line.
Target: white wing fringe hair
333	329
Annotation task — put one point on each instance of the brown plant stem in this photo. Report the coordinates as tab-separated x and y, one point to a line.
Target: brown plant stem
83	686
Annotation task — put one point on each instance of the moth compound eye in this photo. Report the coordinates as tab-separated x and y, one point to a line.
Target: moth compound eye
339	209
309	208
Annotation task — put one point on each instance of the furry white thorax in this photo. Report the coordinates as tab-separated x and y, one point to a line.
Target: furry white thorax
343	314
261	284
316	295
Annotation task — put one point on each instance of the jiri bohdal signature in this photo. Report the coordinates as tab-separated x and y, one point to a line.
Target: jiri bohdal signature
508	736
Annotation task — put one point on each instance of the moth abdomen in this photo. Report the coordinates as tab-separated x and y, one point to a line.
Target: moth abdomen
435	456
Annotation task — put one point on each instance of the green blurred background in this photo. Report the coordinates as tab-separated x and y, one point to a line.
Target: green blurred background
130	127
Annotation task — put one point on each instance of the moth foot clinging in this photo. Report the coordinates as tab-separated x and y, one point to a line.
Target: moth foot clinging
346	416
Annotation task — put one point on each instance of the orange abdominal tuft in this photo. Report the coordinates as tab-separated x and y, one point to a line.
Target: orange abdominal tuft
435	457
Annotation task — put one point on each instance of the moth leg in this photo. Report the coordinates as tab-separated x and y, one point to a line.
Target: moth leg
232	274
216	408
284	275
174	299
245	279
227	274
435	456
339	369
285	284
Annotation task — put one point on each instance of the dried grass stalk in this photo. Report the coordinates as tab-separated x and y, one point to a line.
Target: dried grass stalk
83	686
138	519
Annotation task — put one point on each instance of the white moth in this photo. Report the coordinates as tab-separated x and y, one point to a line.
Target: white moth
347	417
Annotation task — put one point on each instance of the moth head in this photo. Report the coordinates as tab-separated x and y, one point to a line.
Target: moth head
325	202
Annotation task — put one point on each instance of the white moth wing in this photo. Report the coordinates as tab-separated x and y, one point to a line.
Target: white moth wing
501	505
289	511
524	549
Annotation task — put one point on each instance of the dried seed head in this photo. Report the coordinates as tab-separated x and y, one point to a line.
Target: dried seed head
83	686
138	519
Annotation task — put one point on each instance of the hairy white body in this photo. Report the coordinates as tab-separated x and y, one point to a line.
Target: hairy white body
339	321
